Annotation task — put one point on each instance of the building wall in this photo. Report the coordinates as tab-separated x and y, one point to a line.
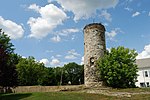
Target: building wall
94	48
144	77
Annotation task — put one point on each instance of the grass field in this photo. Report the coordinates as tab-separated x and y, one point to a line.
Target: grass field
78	95
68	96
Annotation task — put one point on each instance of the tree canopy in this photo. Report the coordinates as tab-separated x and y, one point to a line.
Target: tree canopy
118	68
8	73
30	72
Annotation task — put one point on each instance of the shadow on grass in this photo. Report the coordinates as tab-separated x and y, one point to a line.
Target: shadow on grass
14	96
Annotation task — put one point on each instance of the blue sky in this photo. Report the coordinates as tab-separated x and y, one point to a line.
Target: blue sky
52	30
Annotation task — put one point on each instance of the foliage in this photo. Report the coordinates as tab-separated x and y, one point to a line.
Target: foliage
73	73
8	73
30	72
48	77
118	68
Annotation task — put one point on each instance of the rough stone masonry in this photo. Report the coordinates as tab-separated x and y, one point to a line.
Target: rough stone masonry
94	48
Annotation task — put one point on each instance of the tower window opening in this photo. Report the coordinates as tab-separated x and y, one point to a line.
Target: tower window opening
92	61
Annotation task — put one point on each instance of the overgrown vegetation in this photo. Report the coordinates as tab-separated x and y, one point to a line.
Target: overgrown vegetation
118	68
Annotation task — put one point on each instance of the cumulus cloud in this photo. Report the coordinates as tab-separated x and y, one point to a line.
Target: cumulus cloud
113	33
84	9
11	28
72	54
56	39
50	17
145	53
55	62
106	15
136	14
45	61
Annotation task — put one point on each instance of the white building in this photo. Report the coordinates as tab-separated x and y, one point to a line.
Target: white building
143	72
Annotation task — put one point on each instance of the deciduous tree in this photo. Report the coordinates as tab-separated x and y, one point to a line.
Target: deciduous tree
118	68
8	73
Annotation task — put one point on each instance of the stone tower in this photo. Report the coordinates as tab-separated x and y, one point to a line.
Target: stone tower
94	48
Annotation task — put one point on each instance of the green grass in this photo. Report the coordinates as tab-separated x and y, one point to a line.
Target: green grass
75	95
55	96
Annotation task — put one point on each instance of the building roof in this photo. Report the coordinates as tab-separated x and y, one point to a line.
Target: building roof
143	63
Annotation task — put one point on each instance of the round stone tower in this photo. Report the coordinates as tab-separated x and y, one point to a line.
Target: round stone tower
94	48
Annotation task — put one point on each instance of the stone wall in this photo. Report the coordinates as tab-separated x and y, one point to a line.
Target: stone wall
94	48
28	89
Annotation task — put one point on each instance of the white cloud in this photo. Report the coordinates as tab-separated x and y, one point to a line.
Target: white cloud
49	51
113	33
51	17
58	55
136	14
55	62
12	29
82	60
72	54
56	39
129	0
34	7
149	14
23	57
45	61
106	15
49	1
70	57
128	9
84	9
66	32
109	49
106	24
145	53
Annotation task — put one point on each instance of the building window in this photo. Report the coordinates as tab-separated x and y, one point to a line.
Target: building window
147	84
146	74
91	61
142	85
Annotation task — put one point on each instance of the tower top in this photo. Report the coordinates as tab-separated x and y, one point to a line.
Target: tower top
95	25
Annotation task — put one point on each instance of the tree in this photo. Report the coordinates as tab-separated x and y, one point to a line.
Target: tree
49	77
8	73
30	72
73	73
118	68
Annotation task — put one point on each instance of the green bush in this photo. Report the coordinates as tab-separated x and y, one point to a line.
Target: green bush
118	68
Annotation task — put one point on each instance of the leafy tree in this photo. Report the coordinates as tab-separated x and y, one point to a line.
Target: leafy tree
49	77
30	72
73	73
118	68
58	76
8	73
